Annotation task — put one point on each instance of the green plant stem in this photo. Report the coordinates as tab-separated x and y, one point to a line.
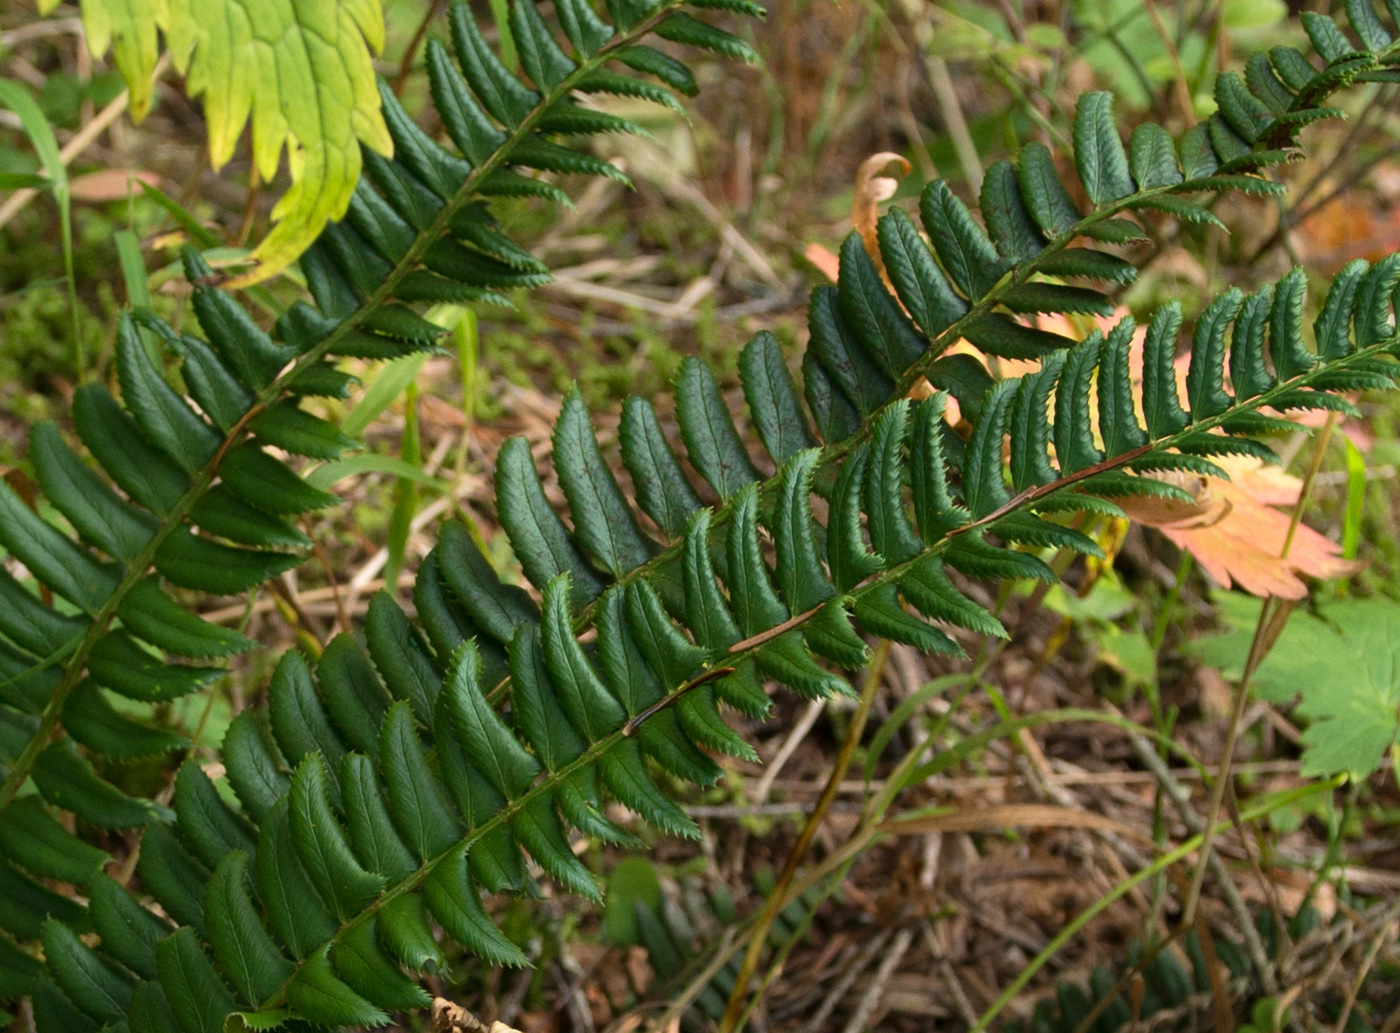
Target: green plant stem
1164	615
735	1013
1334	847
1272	616
65	219
1164	862
49	719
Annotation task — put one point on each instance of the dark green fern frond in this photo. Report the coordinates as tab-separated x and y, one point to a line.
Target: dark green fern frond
1167	984
189	493
382	788
385	786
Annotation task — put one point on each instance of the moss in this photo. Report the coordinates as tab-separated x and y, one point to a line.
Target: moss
36	338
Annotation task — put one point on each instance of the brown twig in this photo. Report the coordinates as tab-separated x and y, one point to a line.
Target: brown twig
1365	969
1271	621
870	1000
734	1012
411	51
712	674
854	969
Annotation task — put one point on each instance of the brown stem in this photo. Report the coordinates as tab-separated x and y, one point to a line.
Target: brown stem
734	1012
1272	616
713	674
411	51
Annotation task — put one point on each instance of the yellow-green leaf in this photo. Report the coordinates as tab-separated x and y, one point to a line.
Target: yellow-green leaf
300	69
129	28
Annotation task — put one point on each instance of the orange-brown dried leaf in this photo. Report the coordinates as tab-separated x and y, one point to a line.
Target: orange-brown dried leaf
872	188
1238	535
107	185
824	259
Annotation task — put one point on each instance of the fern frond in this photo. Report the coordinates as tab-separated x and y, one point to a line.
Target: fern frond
202	502
389	775
384	785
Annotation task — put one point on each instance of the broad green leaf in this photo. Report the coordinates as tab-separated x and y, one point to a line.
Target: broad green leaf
538	535
197	995
403	923
192	561
287	426
252	769
153	616
881	612
294	907
211	828
171	876
129	931
372	835
32	837
119	664
400	656
890	532
68	781
51	556
603	522
663	491
98	514
1340	665
353	695
486	737
321	844
89	981
417	802
90	719
453	899
361	962
25	906
268	484
1098	151
713	443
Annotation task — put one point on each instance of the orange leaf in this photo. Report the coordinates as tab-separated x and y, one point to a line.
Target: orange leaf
1237	535
110	185
824	259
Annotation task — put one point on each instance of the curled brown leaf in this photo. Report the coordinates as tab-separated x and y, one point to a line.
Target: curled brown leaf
872	187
